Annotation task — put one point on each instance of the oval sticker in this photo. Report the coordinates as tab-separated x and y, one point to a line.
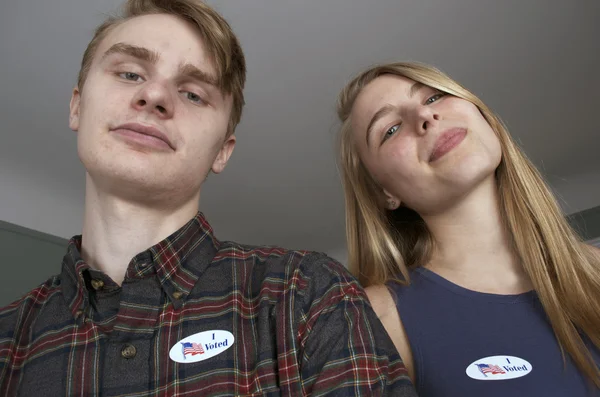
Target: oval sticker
201	346
498	368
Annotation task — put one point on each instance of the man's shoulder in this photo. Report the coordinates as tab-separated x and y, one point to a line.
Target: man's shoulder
310	272
28	304
291	259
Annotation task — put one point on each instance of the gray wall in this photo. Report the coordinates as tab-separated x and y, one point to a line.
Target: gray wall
587	223
27	258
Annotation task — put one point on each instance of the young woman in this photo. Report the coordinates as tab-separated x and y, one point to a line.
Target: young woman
468	260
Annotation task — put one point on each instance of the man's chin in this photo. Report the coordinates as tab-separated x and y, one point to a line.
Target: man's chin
142	186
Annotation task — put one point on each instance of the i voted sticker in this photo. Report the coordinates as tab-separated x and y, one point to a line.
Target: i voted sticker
201	346
499	368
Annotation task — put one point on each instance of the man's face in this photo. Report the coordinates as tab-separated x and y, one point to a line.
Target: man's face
150	119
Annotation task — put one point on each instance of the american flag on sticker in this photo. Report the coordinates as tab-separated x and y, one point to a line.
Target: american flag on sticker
191	348
490	369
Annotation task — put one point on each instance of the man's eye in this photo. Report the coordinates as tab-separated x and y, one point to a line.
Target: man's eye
195	98
130	76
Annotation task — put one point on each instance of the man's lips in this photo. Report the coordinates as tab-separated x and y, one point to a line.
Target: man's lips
447	141
144	134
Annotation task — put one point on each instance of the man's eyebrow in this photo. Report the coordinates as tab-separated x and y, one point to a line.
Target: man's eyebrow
377	116
141	53
189	71
186	70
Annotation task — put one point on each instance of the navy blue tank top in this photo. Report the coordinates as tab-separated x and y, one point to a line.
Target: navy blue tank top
466	343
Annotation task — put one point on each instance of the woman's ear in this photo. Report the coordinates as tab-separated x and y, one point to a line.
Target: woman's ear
391	201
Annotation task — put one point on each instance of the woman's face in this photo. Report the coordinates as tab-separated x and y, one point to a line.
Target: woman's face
425	149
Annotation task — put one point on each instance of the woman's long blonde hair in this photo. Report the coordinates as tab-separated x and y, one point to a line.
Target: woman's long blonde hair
383	244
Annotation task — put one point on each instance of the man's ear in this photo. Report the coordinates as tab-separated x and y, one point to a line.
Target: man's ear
391	202
224	154
74	109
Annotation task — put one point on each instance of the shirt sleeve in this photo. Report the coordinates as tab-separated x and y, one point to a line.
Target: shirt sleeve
12	325
345	351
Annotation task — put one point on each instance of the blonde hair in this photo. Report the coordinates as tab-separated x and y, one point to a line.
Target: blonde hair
220	41
383	244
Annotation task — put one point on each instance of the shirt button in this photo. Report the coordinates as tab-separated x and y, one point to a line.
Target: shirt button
97	284
78	313
128	351
177	295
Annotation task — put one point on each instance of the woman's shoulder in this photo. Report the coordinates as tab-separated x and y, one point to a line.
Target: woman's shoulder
381	298
384	305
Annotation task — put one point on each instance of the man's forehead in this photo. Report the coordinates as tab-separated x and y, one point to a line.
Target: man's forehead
169	37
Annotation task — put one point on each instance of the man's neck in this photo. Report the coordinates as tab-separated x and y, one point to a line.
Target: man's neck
116	229
473	248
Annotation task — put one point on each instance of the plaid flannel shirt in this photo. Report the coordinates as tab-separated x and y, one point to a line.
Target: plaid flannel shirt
301	326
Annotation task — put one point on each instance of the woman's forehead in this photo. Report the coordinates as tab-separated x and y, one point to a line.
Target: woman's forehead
384	90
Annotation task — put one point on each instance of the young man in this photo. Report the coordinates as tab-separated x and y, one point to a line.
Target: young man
149	302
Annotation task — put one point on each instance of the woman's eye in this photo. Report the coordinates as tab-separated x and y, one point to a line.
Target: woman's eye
434	98
391	131
130	76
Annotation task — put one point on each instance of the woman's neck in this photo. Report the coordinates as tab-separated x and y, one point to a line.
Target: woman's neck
473	248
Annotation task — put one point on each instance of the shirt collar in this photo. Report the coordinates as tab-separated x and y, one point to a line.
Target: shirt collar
177	262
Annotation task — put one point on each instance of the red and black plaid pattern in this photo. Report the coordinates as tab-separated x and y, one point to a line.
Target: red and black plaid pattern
302	326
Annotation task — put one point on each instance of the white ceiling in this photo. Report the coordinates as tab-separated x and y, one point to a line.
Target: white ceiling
534	61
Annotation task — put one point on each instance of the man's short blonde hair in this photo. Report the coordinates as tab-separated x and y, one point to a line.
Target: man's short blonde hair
221	44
